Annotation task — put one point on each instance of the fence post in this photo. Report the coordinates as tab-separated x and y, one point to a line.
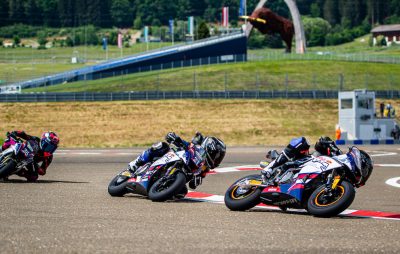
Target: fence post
158	82
194	81
286	84
341	82
226	81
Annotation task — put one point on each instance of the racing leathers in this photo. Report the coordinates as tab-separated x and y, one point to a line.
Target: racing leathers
159	149
41	160
296	153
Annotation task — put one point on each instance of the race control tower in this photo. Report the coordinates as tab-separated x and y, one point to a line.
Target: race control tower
357	118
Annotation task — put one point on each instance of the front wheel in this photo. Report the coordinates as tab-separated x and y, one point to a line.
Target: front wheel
239	198
117	186
166	187
7	166
322	204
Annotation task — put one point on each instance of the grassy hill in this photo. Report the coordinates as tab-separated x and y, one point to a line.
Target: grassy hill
260	75
267	69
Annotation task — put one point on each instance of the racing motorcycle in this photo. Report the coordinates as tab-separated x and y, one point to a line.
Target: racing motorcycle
162	179
15	158
324	186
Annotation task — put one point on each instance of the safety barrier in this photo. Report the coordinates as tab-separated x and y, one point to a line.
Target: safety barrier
162	95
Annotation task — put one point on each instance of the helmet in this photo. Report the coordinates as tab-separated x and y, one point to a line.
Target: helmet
361	163
215	151
49	142
366	167
323	145
297	148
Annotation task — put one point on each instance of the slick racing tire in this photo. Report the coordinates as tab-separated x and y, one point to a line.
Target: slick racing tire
117	186
7	166
239	199
322	205
166	187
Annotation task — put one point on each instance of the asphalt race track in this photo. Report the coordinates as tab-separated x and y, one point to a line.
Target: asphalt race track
70	211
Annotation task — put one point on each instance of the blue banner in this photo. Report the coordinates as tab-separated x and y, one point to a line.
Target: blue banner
242	8
104	43
146	34
171	26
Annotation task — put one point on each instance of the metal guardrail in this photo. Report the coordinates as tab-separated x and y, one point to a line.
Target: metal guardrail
162	95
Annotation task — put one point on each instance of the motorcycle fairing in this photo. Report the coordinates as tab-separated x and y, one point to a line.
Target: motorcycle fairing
279	198
170	157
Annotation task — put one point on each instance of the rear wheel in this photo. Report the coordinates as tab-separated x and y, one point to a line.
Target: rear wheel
166	187
7	166
324	204
239	198
117	186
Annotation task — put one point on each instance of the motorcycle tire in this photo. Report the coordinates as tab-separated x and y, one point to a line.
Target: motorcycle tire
166	187
7	166
321	205
117	186
242	202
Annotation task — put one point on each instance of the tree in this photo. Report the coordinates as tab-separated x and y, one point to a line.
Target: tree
4	12
50	12
137	24
315	10
67	12
203	31
16	11
16	40
121	13
42	40
33	13
331	13
94	11
316	30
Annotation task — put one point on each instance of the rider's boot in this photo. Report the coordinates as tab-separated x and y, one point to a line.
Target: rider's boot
135	164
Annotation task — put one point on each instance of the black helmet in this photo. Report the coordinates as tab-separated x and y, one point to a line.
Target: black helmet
366	167
297	148
323	145
215	151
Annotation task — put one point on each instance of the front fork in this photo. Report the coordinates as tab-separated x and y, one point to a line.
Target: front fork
332	182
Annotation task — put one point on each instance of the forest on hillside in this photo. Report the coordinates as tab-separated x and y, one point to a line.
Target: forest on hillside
326	22
123	13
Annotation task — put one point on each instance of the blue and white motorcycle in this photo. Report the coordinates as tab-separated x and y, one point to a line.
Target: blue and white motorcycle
162	179
324	186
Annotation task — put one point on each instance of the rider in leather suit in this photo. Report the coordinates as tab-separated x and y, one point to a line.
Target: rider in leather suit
296	152
43	149
215	151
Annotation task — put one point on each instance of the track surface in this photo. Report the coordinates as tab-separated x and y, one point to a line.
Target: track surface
70	211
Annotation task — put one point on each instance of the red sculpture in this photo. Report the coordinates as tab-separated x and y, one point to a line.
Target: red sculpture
273	24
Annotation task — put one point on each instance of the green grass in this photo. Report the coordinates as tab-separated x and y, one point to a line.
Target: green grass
267	75
309	71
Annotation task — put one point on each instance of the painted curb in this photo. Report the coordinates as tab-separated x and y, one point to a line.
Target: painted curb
218	199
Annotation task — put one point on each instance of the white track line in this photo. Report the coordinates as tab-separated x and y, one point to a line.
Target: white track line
395	182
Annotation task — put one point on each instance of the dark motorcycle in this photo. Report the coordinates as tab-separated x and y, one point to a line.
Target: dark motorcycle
324	186
17	156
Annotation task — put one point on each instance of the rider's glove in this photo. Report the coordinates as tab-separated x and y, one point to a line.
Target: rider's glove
198	138
171	137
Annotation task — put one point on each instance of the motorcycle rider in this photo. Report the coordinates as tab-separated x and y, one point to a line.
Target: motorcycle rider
296	152
214	148
42	148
